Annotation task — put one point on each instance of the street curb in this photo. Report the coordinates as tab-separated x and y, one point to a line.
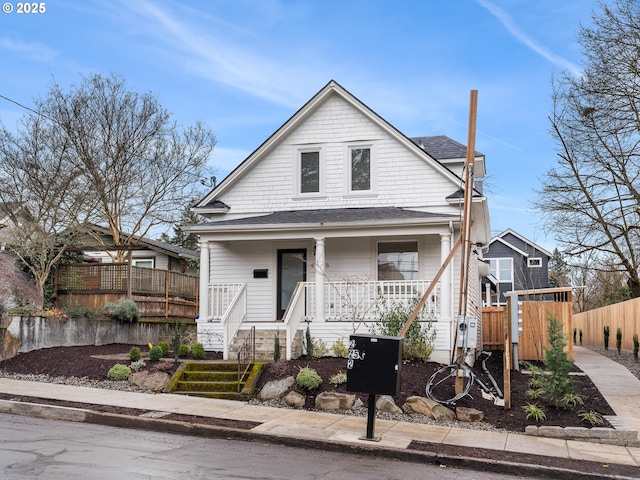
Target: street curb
228	433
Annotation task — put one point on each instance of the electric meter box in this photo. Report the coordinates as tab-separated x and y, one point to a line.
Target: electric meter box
467	332
374	364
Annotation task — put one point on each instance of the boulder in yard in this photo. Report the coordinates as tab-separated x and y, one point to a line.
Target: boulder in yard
276	388
335	401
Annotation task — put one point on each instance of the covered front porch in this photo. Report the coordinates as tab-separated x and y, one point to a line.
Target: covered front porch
330	304
349	307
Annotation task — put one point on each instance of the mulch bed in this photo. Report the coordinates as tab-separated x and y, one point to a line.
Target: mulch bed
88	362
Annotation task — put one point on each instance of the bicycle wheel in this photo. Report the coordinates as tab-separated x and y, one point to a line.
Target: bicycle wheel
441	387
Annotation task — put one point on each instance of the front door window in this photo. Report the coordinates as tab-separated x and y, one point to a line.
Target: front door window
292	268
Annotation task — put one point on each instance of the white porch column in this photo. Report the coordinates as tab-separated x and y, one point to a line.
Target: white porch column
204	281
320	277
446	306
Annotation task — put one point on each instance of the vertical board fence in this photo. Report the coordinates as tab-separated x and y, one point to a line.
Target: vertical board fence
535	320
159	294
623	315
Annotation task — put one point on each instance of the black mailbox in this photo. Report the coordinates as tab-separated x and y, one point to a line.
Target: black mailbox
374	364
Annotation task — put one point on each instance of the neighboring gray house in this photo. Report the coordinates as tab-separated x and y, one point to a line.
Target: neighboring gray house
516	263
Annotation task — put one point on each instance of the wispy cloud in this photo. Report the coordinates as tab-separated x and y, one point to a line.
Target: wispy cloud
34	51
206	53
529	42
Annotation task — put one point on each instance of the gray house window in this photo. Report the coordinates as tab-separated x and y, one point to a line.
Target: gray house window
534	262
502	269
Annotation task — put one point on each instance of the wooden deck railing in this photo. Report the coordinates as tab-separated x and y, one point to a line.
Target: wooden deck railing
158	293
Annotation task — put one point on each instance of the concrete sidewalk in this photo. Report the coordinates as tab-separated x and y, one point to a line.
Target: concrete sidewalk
622	392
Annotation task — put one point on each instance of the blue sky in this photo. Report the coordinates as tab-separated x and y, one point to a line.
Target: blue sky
245	66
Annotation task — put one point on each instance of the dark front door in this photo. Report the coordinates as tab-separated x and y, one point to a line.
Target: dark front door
292	268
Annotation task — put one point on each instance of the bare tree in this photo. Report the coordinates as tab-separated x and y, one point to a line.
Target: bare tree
140	165
35	184
592	197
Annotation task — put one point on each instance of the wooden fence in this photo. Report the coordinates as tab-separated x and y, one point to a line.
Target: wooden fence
623	315
159	294
534	334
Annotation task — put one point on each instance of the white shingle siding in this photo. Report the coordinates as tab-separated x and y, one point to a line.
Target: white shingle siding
270	184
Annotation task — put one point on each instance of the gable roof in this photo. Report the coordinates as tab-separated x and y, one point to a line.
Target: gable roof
332	88
500	238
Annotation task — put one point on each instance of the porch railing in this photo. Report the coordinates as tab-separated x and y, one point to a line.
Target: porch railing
293	316
221	295
234	316
361	301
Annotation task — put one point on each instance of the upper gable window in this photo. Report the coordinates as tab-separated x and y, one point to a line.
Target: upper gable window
309	172
534	262
360	168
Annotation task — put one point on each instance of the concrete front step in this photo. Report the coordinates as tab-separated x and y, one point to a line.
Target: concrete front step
265	344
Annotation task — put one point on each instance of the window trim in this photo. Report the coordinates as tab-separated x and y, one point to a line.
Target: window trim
534	259
297	181
407	241
348	170
497	275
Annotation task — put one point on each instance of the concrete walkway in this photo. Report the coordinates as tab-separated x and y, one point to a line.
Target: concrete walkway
618	386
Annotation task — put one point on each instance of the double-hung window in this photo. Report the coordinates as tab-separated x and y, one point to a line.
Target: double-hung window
398	261
310	172
360	169
502	269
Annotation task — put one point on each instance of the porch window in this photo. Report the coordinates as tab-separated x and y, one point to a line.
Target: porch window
502	269
310	172
398	261
360	169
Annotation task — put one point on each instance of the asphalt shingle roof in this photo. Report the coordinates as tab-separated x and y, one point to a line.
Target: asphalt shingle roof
332	215
441	147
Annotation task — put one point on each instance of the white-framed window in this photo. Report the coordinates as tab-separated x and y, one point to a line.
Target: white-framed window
309	172
398	260
502	269
534	262
360	169
144	262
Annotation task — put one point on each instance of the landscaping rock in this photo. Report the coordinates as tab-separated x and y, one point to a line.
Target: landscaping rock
294	399
276	388
440	412
335	401
386	404
420	405
155	381
464	414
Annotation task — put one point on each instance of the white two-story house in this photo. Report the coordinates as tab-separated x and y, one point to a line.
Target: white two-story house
333	212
